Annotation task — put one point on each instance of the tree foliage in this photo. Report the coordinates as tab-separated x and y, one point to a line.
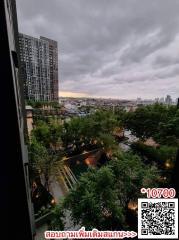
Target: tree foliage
82	131
49	135
100	197
45	149
43	161
151	154
158	121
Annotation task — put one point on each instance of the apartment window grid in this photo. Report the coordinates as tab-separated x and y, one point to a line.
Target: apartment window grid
40	62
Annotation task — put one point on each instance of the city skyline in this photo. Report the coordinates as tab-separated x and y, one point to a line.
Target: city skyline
114	49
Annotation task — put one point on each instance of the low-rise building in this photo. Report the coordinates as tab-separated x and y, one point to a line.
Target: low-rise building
29	118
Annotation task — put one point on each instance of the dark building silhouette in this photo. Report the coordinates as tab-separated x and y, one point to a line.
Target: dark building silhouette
178	103
15	190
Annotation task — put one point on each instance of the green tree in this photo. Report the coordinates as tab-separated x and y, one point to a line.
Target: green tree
93	202
48	134
148	121
43	161
151	154
56	132
84	130
42	133
108	143
168	133
131	175
37	155
57	222
101	196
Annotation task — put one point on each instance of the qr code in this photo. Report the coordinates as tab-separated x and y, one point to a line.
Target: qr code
157	218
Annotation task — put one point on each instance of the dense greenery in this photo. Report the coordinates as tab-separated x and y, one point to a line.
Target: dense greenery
40	104
163	156
44	150
52	140
157	121
58	218
43	161
94	130
158	155
101	196
49	135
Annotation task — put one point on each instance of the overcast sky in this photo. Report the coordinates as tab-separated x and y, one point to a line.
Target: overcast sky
110	48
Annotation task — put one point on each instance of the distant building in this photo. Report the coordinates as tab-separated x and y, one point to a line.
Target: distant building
39	68
168	100
161	100
139	100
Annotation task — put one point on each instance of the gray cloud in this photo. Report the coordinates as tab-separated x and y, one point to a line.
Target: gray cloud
110	48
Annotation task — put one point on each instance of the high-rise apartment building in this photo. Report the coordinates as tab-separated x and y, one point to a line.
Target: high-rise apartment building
39	67
53	62
168	100
161	100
